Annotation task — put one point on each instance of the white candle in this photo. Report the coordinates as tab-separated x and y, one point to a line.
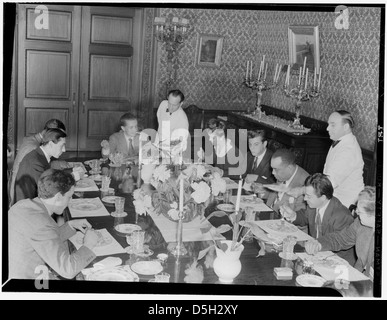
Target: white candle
306	79
247	69
278	73
260	70
238	200
181	197
299	77
251	70
288	74
140	150
263	61
275	72
314	78
319	79
304	66
264	78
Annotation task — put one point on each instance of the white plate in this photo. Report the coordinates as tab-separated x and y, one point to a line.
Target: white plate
147	267
310	280
109	199
113	274
127	228
146	253
85	206
226	207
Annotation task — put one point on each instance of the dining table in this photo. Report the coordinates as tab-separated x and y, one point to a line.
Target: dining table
190	275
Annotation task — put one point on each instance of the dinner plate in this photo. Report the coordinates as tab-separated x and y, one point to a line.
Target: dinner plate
113	274
277	187
226	207
127	228
147	267
310	280
84	183
146	253
85	206
109	199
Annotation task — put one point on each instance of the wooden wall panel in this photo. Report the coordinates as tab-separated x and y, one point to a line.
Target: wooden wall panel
103	123
36	118
48	74
111	30
59	26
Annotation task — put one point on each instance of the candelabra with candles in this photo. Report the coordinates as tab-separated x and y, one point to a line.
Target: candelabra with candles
260	84
302	92
172	31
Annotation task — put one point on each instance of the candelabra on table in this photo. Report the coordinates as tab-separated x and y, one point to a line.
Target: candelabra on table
180	249
301	92
260	84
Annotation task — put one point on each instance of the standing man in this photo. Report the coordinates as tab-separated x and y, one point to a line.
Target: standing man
258	159
173	122
344	163
126	141
35	239
290	175
36	162
324	213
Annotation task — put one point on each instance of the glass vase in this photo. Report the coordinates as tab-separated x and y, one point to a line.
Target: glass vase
179	250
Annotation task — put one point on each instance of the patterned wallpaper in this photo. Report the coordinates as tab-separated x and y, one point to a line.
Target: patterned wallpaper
349	60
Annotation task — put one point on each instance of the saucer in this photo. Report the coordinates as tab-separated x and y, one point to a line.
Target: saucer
226	207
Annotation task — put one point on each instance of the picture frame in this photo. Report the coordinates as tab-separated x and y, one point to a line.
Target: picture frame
304	42
209	50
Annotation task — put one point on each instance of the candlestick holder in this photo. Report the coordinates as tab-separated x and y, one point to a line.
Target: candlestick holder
260	85
180	250
300	95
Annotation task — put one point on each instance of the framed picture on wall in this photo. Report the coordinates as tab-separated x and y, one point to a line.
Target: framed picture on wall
304	43
209	51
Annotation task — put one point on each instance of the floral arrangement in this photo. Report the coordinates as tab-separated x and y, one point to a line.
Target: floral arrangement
116	158
200	184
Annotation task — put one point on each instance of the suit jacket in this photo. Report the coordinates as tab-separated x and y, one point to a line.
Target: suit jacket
264	171
119	143
35	239
30	169
357	235
297	181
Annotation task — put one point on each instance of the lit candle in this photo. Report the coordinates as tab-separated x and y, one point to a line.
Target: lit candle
304	66
251	70
181	197
319	79
275	72
288	74
260	70
263	61
306	79
314	78
264	78
247	69
278	73
299	77
238	200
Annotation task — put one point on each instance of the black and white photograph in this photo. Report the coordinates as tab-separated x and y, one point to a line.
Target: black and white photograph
193	151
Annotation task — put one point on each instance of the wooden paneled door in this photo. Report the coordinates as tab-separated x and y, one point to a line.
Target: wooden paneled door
84	70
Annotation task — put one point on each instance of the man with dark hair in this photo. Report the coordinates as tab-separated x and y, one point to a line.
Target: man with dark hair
35	239
173	123
53	144
126	141
289	175
324	213
344	163
31	143
258	159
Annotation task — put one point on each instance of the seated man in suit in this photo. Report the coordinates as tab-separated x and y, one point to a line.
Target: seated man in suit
290	175
223	153
36	240
30	143
359	234
324	213
126	141
258	159
36	162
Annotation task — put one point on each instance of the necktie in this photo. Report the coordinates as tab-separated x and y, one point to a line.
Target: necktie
334	143
318	224
131	148
255	163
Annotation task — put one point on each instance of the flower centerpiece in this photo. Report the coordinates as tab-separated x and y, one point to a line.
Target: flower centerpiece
117	159
200	184
105	148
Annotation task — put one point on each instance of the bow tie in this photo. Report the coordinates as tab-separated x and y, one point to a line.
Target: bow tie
334	143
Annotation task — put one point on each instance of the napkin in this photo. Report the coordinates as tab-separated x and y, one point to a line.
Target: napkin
75	213
92	187
108	262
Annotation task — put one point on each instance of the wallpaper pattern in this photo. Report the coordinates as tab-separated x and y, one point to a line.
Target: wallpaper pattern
349	61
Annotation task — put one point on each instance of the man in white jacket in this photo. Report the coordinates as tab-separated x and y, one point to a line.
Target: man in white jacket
344	163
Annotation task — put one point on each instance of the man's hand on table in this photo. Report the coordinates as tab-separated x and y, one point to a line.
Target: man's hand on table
312	246
80	224
91	239
289	214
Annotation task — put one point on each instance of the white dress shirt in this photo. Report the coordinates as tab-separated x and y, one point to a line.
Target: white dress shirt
47	156
344	167
258	159
287	182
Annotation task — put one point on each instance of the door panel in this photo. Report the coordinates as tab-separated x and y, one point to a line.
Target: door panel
107	71
48	71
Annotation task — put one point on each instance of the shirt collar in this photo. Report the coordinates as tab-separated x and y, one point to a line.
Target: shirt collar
287	182
46	155
321	210
260	157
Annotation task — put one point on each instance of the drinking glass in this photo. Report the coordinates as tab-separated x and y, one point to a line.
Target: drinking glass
105	182
226	196
288	246
119	203
162	277
137	241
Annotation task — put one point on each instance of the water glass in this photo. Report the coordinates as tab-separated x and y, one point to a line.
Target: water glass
137	241
226	196
119	203
162	277
288	246
105	182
